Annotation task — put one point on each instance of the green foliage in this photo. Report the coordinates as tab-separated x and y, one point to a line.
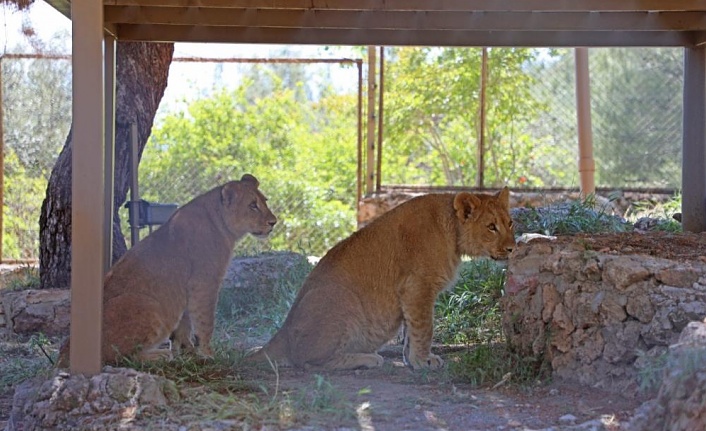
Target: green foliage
470	312
302	153
27	277
636	105
21	205
37	106
22	359
566	218
260	310
662	212
431	117
494	364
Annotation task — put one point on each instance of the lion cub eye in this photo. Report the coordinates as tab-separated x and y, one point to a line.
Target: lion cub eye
253	206
492	227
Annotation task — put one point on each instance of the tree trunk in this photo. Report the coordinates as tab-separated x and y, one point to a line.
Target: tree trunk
141	76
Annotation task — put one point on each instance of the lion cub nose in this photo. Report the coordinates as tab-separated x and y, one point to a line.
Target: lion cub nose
272	223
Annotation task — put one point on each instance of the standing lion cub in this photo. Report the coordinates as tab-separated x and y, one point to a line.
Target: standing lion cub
169	282
385	275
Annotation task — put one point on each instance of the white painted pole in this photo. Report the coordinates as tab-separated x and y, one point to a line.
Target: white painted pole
88	193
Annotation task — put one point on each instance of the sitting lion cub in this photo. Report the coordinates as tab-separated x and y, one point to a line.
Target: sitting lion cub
169	282
387	274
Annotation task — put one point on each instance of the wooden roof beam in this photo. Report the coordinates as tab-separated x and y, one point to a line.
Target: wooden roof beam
185	33
553	21
434	5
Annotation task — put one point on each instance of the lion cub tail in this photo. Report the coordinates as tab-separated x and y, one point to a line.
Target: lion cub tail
274	352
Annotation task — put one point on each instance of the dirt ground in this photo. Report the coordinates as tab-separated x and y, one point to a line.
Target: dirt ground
397	398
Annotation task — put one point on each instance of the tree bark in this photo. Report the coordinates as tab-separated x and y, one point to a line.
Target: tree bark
141	75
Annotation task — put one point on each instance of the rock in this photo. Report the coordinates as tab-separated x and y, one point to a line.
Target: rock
593	314
31	311
680	404
104	401
568	419
256	278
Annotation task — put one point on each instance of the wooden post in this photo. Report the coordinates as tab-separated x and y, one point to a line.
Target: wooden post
2	167
134	187
359	193
109	158
88	192
370	171
378	174
482	119
694	141
587	165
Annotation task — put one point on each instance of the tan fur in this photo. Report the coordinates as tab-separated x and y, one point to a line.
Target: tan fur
385	275
169	282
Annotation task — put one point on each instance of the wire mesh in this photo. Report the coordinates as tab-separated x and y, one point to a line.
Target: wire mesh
280	112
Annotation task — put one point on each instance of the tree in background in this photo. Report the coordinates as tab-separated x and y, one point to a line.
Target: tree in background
432	116
141	77
302	153
36	114
637	116
636	106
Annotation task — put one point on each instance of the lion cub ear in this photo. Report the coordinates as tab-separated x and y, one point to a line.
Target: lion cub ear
504	197
229	193
464	204
250	179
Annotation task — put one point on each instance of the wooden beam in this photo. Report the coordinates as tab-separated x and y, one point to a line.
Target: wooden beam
408	20
88	194
694	141
435	5
166	33
586	164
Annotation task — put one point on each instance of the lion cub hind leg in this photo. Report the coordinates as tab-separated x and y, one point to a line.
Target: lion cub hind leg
160	351
135	325
352	361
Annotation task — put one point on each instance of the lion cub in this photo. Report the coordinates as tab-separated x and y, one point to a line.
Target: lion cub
169	282
387	274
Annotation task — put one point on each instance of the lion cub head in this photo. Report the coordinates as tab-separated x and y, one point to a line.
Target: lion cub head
245	208
485	224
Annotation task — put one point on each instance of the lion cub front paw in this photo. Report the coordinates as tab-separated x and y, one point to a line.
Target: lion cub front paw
432	361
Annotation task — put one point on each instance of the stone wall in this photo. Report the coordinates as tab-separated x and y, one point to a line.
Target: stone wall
598	318
613	203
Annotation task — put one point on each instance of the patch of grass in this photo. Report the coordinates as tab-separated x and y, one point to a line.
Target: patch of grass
567	218
24	278
218	374
23	358
257	315
662	212
470	312
651	370
493	364
320	400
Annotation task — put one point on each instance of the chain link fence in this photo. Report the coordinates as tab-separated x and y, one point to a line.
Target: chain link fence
296	127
